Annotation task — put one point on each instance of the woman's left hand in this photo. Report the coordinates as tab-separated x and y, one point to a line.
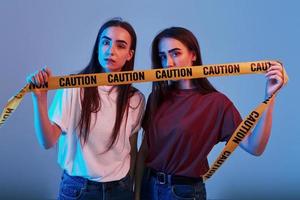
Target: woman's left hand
274	77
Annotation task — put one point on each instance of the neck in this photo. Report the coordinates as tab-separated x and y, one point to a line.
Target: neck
185	84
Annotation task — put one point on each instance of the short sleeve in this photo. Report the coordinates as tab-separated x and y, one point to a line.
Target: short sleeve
59	111
137	105
231	120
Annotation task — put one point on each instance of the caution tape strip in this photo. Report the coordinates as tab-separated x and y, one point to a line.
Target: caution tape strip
239	134
176	73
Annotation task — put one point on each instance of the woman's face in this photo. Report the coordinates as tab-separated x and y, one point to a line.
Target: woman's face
173	53
114	48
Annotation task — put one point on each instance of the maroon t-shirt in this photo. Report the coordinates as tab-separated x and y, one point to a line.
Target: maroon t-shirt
185	129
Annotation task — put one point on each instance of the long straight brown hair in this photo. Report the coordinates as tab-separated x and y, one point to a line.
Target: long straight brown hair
90	98
161	89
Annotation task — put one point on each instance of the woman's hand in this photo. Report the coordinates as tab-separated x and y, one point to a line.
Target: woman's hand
39	78
274	77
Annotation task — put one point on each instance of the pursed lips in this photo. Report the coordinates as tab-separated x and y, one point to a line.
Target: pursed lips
109	61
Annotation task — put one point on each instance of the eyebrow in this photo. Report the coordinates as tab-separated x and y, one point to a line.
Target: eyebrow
170	51
120	41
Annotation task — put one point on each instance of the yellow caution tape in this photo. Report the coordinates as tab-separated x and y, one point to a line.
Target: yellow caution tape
242	131
239	134
176	73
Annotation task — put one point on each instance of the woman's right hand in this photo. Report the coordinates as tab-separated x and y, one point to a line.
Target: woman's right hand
39	78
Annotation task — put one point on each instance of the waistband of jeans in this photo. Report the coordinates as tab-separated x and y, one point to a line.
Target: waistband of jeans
164	178
83	180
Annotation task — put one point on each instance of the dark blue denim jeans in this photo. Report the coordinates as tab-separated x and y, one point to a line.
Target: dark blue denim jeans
75	187
153	190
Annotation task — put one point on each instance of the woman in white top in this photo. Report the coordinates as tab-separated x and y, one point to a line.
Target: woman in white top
95	128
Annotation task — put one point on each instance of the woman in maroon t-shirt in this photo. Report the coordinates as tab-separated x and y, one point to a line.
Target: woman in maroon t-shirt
185	119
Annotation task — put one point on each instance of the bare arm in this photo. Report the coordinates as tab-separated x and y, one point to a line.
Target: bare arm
256	142
47	132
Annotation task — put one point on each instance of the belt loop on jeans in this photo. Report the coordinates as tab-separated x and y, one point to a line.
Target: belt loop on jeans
162	178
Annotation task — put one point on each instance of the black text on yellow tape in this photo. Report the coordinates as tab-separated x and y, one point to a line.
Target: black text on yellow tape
176	73
239	134
91	80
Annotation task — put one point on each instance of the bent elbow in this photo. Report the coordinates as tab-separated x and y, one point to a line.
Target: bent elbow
257	152
46	146
253	151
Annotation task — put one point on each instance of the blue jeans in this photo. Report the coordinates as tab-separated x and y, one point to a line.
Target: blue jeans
79	188
153	190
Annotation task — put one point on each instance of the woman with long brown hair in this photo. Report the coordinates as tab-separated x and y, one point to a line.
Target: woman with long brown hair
94	128
185	119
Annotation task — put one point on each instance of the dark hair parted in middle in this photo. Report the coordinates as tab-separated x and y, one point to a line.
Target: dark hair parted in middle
161	89
90	100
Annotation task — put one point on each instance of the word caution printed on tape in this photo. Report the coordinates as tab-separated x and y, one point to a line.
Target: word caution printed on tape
176	73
